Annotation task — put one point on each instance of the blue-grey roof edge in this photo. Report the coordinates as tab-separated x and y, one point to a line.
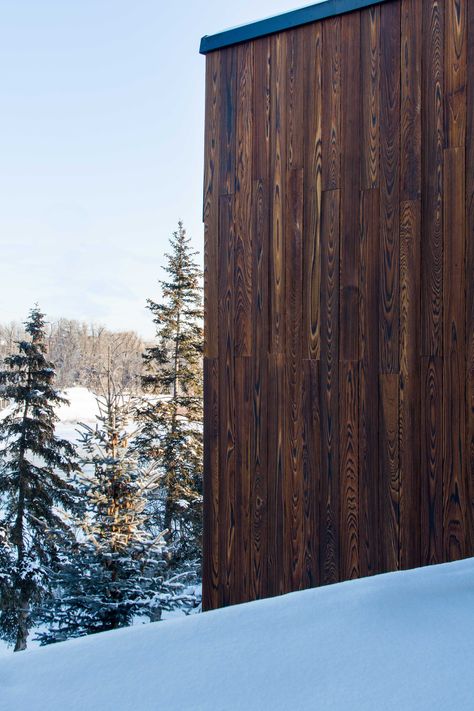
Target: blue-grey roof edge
285	21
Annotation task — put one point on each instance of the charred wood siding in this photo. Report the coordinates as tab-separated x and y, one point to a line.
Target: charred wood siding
339	300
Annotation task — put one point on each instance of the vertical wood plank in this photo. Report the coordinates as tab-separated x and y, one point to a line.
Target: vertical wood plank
469	279
243	201
227	464
389	471
455	74
293	480
313	188
227	120
276	455
454	489
262	136
410	63
350	189
211	204
210	574
369	538
260	414
349	447
389	186
349	255
311	470
294	97
331	93
262	102
431	460
330	489
244	473
410	411
261	108
278	177
370	96
432	188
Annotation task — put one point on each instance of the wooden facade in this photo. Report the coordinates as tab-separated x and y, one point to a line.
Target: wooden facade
339	299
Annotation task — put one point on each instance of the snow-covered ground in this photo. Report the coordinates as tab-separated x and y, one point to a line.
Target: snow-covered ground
396	642
82	408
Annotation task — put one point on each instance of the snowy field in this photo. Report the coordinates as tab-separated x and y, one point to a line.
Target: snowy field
82	408
396	642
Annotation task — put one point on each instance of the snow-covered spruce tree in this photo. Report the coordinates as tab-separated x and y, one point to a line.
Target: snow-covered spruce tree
171	414
34	487
116	569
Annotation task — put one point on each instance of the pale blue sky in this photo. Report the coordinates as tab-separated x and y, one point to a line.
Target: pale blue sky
101	148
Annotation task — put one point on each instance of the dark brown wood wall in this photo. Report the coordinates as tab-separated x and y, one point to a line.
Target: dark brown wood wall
339	300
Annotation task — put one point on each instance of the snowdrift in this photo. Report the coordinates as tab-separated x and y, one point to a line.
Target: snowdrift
402	641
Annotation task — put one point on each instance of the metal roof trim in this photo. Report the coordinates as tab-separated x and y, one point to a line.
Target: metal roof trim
284	21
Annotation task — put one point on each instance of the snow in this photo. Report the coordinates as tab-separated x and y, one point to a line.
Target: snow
401	641
82	405
82	409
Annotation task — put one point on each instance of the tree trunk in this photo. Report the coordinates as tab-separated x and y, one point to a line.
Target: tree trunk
19	539
170	494
23	624
168	517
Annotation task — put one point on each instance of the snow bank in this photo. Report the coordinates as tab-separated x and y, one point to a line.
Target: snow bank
403	641
82	408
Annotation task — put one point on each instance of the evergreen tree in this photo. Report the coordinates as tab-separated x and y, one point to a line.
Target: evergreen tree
6	568
116	569
171	415
34	487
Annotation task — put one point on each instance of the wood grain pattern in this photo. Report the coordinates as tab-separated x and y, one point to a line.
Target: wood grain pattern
432	460
278	177
227	121
370	96
243	202
339	300
331	93
210	573
260	413
389	471
330	486
454	484
276	455
261	109
432	187
369	538
389	186
311	470
350	192
227	396
349	258
410	411
294	98
455	72
312	112
349	447
293	524
469	273
211	206
242	482
410	127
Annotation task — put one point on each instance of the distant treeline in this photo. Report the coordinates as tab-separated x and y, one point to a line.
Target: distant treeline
81	352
